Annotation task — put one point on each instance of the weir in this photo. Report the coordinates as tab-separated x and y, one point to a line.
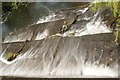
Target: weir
87	49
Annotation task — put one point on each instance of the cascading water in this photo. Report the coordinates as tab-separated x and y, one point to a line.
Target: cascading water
85	53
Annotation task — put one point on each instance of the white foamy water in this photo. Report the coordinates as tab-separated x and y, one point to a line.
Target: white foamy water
19	37
53	16
65	68
50	17
7	62
84	10
92	27
61	70
88	70
42	35
101	70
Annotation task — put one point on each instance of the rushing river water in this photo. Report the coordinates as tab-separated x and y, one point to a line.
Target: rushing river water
87	49
31	14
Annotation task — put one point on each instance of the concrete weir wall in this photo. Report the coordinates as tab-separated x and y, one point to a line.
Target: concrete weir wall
63	57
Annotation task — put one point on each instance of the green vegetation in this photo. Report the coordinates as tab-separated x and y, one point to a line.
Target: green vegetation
9	6
115	8
11	56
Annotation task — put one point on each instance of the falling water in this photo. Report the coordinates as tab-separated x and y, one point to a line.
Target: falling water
84	54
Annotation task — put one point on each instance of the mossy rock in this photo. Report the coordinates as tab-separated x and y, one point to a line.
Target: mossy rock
70	20
11	56
72	34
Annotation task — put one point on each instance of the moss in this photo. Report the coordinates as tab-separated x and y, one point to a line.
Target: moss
115	8
98	6
10	6
117	34
72	34
11	56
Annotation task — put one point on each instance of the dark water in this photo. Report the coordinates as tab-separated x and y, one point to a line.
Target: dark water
25	16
